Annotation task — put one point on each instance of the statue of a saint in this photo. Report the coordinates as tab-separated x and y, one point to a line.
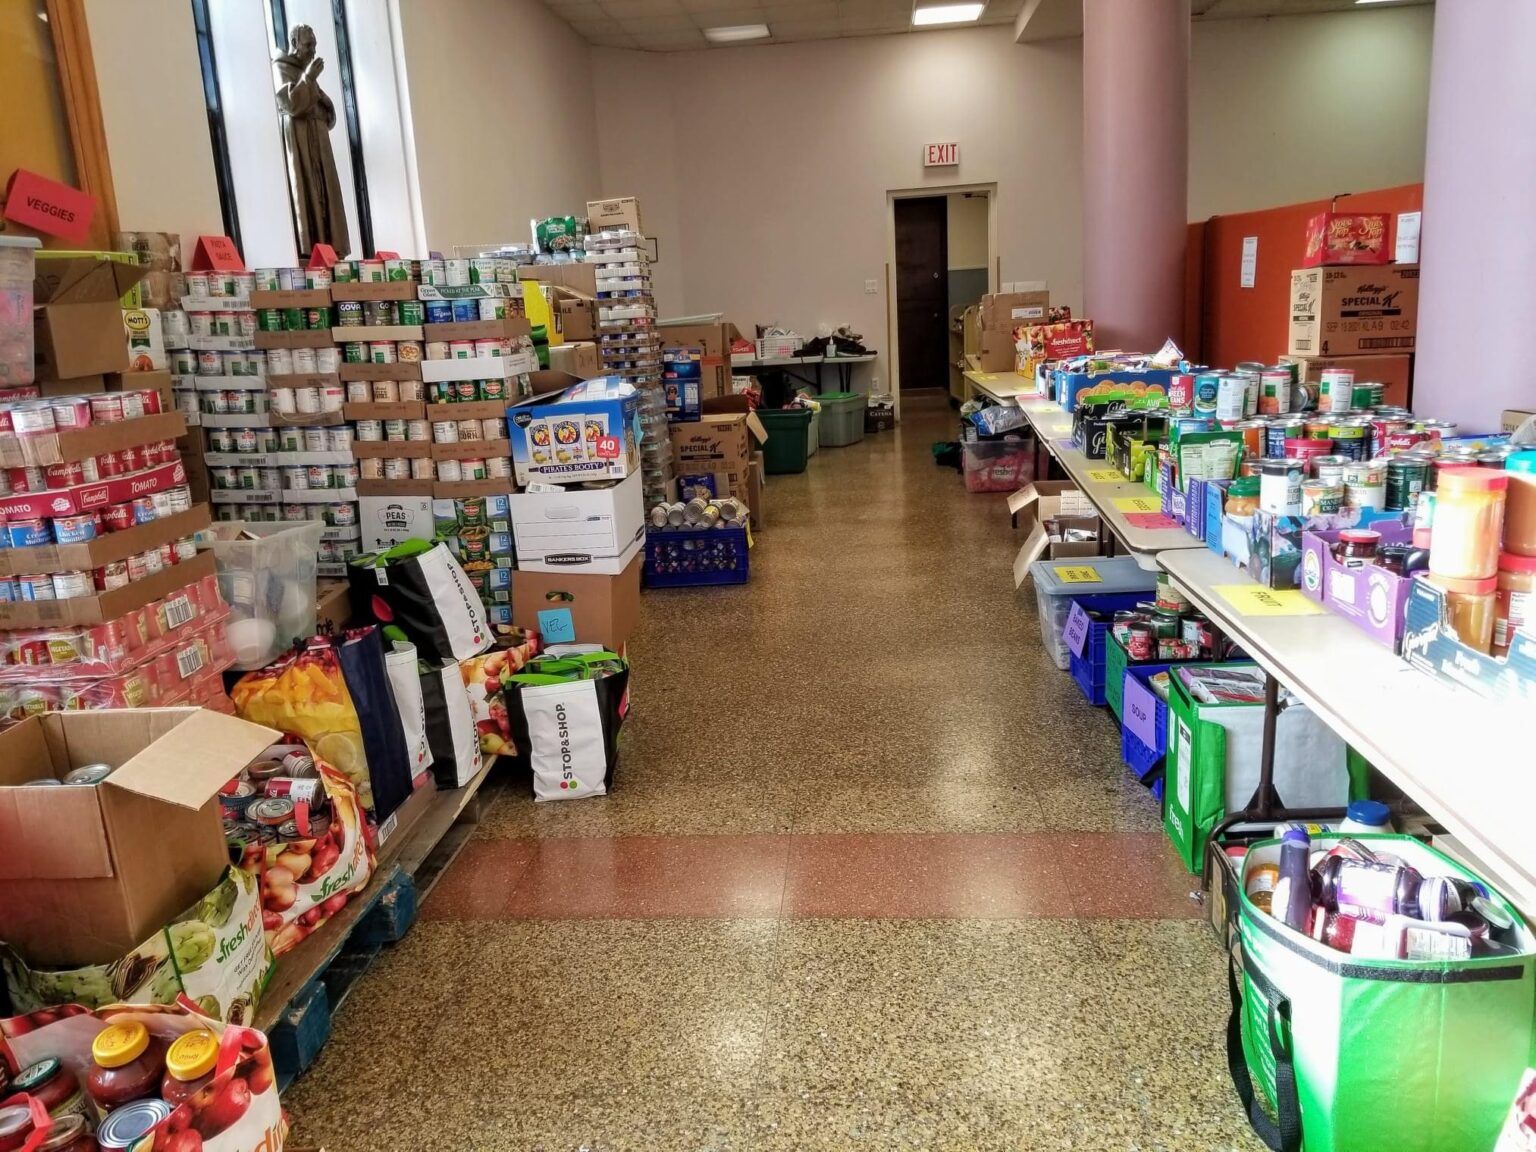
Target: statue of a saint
308	116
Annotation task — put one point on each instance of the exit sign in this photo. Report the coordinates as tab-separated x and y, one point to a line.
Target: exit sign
941	155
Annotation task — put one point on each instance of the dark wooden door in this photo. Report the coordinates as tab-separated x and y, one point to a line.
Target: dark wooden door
922	291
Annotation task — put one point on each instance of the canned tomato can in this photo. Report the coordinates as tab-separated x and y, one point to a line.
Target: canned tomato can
369	430
295	478
385	391
498	467
307	400
111	575
370	468
461	349
381	351
445	432
36	587
466	391
338	439
342	514
119	517
469	429
106	407
397	468
354	352
436	350
349	313
65	475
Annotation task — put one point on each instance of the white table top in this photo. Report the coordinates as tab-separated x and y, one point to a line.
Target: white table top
1464	759
1003	387
797	361
1054	427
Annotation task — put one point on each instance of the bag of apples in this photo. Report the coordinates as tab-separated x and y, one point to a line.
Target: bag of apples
308	879
235	1110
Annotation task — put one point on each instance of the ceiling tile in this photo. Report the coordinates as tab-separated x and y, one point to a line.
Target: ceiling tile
786	31
581	11
798	11
657	25
728	17
630	9
671	41
616	38
713	6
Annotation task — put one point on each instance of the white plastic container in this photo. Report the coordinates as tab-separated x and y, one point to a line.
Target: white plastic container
267	576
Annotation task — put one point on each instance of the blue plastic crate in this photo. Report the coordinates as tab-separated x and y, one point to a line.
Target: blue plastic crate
694	557
1088	669
1138	757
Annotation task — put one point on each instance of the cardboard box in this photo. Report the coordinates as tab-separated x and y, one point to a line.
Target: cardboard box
713	344
88	497
89	872
593	438
1353	311
1512	418
1034	504
716	443
93	440
1008	310
388	520
575	314
580	278
579	359
1393	371
597	531
333	606
1430	644
996	351
1338	238
105	606
619	214
79	316
105	548
1367	594
578	608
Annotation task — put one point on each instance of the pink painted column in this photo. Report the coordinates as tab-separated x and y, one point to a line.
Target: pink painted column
1135	169
1478	249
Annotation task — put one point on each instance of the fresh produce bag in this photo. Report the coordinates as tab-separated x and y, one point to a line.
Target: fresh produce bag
484	678
566	708
405	682
214	953
1356	1055
237	1111
360	652
422	588
451	736
305	881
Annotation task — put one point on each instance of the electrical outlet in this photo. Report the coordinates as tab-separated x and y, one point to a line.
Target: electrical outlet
871	287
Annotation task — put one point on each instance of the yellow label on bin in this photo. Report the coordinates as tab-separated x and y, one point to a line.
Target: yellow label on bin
1106	475
1253	600
1138	503
1079	574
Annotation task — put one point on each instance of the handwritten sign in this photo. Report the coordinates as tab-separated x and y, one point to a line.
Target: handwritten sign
1253	600
1138	504
216	254
1106	475
45	205
556	626
1076	631
1078	574
1139	711
1152	521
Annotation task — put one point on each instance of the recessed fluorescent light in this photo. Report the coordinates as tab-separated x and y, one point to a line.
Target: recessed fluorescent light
947	14
735	32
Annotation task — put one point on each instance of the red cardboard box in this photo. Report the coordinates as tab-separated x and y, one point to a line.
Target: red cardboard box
1348	238
85	497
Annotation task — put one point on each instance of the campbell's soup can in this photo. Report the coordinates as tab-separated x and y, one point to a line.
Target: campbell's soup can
119	517
1405	440
65	475
71	412
107	408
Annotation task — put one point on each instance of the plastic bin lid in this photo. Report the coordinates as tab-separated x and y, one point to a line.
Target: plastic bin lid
835	397
20	242
1115	574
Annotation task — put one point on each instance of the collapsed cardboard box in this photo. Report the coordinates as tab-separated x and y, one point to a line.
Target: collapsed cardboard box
577	607
996	351
1353	311
1057	501
712	342
713	455
90	871
78	316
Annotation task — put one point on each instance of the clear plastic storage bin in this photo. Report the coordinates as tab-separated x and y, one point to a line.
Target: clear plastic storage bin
17	267
1053	595
269	584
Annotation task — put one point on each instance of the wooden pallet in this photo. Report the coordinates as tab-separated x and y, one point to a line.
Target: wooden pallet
311	982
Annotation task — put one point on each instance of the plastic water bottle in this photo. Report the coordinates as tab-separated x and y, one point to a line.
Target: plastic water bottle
1293	890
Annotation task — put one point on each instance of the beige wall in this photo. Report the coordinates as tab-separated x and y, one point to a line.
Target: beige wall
502	102
967	230
157	125
1304	107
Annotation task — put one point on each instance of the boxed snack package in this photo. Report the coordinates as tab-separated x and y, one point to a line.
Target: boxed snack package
591	433
1347	238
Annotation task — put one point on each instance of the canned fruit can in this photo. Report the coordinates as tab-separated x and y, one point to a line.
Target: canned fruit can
493	389
466	391
1319	498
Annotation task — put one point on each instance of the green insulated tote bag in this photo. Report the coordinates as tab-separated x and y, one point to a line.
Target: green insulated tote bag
1368	1055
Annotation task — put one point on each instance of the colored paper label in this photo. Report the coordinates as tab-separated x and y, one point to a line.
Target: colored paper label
1106	475
1138	503
1079	574
556	626
1252	600
1139	711
1150	520
1065	444
45	205
323	256
1076	631
216	253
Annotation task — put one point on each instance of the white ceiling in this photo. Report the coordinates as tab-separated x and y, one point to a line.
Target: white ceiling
678	25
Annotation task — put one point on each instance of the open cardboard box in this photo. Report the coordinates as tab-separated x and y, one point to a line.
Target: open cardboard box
1042	500
92	440
78	316
578	607
90	871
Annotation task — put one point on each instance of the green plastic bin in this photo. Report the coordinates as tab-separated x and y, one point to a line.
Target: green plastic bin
842	418
788	445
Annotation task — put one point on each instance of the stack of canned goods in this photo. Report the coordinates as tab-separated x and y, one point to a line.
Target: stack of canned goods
310	318
265	441
289	279
271	362
335	514
306	399
726	512
30	418
467	309
277	799
630	345
465	391
385	391
478	530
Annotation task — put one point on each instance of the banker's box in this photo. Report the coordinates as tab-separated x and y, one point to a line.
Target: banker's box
578	607
576	530
79	317
89	871
576	440
1353	311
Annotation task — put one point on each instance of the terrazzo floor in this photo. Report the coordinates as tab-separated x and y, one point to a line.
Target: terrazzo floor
872	877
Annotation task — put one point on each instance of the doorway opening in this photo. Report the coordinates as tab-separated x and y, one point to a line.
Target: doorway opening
941	263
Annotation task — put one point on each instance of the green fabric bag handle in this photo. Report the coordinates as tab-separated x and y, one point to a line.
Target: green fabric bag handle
1283	1135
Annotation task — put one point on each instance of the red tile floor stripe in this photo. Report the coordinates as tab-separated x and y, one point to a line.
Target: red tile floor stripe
943	876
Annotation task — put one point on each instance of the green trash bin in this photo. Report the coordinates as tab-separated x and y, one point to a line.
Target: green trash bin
788	442
842	418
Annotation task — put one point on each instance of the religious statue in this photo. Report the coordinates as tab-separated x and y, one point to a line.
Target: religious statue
308	116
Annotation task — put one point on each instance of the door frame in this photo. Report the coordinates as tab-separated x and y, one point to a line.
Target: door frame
893	195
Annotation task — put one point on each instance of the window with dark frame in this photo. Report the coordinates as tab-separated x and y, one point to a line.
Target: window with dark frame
223	170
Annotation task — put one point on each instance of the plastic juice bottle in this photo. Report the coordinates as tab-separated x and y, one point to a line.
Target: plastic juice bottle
1292	901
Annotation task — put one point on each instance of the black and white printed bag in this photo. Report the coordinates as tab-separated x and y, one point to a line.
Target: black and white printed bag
422	589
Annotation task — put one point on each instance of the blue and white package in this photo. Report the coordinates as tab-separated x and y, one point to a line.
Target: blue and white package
592	432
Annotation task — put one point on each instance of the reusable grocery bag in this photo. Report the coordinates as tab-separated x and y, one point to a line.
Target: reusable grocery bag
391	770
405	682
1376	1055
566	710
422	588
236	1111
450	725
1214	753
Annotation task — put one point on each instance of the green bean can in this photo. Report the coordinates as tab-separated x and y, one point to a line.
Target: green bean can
354	352
269	320
315	318
1406	478
293	319
411	312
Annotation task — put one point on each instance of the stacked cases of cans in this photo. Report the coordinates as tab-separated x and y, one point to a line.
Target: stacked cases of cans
479	532
630	345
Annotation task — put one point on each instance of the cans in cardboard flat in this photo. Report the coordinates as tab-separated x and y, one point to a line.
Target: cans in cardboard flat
28	533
